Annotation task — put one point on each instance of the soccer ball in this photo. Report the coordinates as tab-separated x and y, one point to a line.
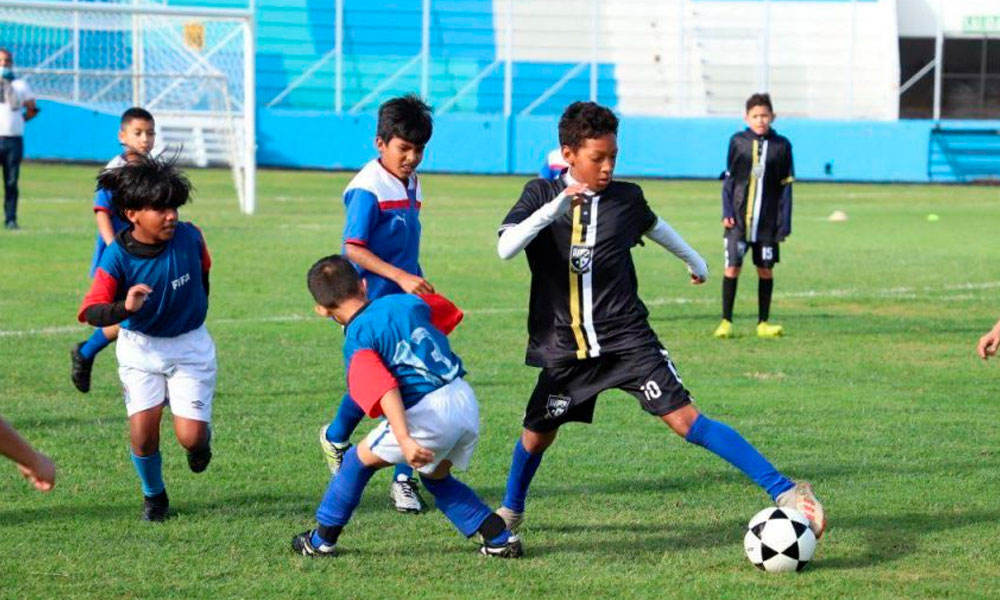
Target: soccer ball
779	539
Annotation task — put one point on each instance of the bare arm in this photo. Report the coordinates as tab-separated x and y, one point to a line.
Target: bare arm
34	465
989	343
104	227
30	110
366	259
392	406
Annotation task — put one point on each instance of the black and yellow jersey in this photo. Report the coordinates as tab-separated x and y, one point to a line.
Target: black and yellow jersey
755	193
584	293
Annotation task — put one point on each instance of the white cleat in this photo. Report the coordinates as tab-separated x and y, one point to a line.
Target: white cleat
405	495
802	499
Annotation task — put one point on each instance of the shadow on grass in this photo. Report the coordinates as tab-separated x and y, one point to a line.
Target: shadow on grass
625	540
223	507
890	538
886	538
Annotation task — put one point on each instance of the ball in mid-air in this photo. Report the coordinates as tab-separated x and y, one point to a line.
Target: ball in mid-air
779	539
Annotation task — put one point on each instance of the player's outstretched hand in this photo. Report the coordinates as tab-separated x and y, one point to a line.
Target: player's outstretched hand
989	343
729	222
136	296
414	284
695	280
42	474
415	454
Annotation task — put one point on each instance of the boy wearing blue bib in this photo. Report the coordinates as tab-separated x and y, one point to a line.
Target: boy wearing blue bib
153	282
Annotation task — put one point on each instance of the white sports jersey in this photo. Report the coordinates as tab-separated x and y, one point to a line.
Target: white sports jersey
388	190
13	95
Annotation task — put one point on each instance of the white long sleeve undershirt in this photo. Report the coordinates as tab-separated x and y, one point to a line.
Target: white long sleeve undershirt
517	237
663	234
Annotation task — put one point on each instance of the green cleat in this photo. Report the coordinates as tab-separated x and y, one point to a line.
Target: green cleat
333	454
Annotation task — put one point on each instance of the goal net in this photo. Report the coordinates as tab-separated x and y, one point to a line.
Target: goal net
192	67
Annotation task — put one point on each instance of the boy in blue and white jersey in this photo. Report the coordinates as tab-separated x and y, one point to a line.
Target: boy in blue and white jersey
153	282
382	239
137	134
399	365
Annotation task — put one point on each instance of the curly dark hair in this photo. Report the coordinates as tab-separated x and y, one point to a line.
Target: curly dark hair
585	120
760	100
407	117
145	182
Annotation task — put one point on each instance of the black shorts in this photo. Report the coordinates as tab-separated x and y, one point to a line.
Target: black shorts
569	393
765	254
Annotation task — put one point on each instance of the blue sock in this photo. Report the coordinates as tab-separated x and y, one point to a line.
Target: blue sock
402	469
150	470
522	470
344	492
726	442
94	344
316	539
459	503
345	422
501	539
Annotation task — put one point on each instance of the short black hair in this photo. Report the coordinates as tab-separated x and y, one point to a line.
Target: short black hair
585	120
333	279
760	100
136	113
407	117
145	182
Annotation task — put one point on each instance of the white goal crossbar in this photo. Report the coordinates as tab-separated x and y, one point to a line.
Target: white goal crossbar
192	67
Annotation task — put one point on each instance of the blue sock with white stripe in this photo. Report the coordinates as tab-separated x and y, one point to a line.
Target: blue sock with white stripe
404	470
522	470
348	416
459	503
94	344
344	491
728	444
150	470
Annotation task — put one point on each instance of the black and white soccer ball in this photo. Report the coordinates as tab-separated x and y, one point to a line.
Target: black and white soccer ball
779	539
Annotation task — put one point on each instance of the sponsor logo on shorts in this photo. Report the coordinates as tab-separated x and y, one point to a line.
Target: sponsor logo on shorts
557	405
580	257
197	404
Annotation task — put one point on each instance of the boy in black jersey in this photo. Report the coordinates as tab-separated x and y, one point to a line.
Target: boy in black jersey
756	210
588	329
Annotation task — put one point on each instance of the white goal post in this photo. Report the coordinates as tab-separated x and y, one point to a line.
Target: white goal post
192	67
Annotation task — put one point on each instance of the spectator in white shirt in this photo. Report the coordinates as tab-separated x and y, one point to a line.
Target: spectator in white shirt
17	105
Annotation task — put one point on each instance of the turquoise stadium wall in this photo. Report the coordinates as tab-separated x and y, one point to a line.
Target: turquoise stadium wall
301	130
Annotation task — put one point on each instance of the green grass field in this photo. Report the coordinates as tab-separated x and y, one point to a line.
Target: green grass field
875	395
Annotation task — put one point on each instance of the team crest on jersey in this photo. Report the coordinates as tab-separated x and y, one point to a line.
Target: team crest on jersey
580	257
557	405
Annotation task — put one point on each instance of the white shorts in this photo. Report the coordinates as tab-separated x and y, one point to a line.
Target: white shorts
179	370
445	421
